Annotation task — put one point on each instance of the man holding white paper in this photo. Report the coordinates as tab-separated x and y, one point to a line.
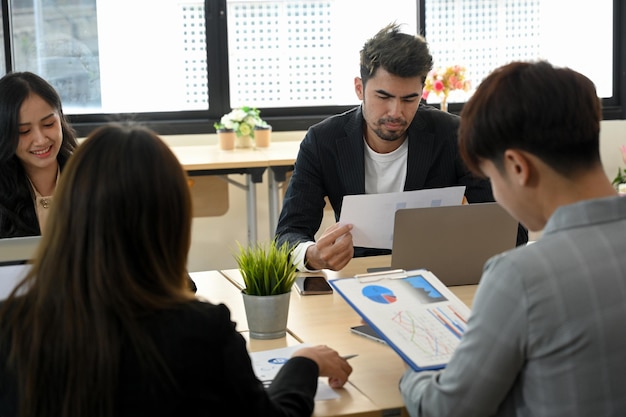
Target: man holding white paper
390	143
373	228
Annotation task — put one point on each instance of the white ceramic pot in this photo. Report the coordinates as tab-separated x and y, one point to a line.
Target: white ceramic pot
243	142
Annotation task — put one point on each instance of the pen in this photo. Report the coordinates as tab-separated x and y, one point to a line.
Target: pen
346	357
377	276
381	273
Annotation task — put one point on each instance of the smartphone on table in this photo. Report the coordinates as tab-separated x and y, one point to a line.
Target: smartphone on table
366	331
311	285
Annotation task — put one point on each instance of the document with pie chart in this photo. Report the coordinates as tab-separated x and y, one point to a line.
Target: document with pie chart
416	314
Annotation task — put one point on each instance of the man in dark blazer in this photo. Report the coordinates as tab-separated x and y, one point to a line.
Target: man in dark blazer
390	143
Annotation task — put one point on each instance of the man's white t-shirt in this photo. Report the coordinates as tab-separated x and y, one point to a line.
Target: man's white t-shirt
384	173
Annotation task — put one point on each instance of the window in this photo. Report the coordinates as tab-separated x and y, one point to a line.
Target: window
178	65
286	53
2	38
482	35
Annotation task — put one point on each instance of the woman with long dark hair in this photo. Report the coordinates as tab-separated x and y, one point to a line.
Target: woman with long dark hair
35	143
104	324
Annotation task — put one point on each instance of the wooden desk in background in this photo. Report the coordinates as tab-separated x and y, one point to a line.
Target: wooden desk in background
326	319
210	160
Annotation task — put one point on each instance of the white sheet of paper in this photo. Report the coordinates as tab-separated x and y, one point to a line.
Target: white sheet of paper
372	215
267	363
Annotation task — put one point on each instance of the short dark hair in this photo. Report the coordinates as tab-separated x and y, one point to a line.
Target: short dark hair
398	53
553	113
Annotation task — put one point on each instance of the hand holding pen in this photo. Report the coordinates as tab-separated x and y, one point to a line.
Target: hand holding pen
330	364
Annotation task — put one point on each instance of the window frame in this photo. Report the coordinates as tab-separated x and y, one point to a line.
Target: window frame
293	118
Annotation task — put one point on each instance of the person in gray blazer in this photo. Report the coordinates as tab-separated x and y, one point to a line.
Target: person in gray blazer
390	143
545	335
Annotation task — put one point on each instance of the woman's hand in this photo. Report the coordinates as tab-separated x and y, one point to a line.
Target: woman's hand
330	364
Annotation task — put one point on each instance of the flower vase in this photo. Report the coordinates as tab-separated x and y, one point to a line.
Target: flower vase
243	142
444	103
262	136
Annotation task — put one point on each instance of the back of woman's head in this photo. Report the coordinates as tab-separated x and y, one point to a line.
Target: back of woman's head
115	249
15	87
120	227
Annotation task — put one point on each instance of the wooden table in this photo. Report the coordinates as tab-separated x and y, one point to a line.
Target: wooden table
252	162
326	319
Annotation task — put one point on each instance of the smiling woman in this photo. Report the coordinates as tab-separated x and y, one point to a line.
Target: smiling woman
35	144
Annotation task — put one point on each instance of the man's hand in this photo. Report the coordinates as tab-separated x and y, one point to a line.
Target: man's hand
333	250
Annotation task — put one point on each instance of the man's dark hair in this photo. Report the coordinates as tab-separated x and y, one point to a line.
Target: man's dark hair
398	53
552	113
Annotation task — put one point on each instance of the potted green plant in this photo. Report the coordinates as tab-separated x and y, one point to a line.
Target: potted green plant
242	121
619	182
620	178
268	274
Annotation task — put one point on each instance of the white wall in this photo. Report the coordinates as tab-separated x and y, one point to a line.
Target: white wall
214	238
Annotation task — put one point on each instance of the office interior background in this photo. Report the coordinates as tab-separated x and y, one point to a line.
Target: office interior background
179	65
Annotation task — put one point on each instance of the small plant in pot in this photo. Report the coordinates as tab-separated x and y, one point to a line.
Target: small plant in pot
242	121
268	274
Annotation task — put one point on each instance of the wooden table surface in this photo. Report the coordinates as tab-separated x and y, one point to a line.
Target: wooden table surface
326	319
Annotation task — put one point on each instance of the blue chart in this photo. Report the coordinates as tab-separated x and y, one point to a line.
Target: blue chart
379	294
418	316
434	334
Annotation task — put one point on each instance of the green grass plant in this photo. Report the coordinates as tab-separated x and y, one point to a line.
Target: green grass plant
266	269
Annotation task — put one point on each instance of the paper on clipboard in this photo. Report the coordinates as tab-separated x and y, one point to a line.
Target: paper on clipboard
372	215
416	314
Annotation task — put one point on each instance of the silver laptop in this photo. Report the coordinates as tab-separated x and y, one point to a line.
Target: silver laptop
15	256
453	242
18	248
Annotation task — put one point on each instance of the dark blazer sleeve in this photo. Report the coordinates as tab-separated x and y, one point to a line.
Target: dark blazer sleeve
303	204
209	361
329	164
291	393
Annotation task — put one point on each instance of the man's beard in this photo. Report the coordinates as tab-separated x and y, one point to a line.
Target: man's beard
387	135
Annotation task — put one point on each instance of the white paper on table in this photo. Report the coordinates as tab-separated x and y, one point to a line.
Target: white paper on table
373	215
267	363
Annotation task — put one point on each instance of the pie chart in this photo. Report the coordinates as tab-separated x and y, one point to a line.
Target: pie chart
379	294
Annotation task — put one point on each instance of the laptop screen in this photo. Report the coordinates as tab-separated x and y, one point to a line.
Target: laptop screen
453	242
11	273
15	255
18	248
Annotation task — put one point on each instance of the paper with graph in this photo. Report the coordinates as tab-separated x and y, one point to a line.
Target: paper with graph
417	315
